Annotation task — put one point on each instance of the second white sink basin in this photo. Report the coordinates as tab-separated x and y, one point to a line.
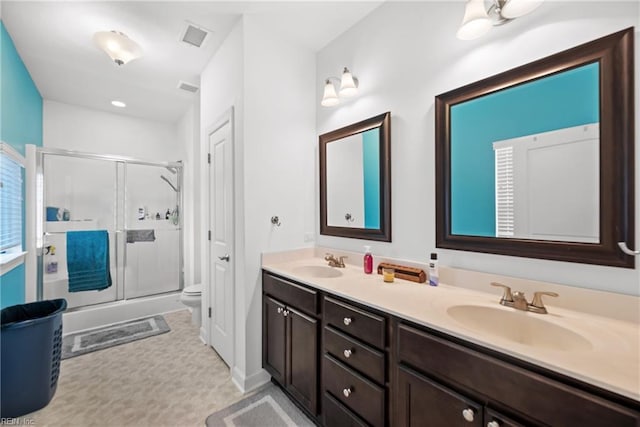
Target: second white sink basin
518	326
319	271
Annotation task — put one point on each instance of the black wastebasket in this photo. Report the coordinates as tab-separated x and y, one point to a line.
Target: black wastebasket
30	348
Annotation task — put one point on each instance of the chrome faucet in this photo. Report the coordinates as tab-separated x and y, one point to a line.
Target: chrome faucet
518	300
335	262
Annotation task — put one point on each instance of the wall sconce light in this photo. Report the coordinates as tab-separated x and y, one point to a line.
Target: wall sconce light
348	88
478	20
120	48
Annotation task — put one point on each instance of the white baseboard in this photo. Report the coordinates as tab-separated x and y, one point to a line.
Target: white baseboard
246	384
203	335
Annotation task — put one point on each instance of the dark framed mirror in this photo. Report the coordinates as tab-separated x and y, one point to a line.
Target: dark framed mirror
355	180
538	161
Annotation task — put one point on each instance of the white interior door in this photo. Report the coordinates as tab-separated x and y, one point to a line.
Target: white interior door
221	248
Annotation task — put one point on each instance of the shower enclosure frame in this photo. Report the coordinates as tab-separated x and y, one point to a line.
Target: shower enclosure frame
120	228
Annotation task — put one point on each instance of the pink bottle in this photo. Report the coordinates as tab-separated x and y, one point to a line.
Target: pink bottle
368	260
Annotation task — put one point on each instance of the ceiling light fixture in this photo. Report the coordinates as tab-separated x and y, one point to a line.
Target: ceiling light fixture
478	19
348	88
118	104
120	48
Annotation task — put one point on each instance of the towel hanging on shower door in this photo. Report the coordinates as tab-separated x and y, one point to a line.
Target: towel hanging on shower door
88	260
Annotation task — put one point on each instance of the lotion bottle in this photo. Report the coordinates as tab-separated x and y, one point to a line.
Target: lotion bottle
433	269
368	260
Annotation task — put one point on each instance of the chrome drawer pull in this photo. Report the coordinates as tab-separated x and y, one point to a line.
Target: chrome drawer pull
493	423
347	392
467	414
280	309
347	353
285	313
347	321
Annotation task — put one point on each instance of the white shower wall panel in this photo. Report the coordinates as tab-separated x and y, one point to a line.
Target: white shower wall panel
153	267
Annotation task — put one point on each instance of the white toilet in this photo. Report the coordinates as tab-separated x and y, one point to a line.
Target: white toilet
192	298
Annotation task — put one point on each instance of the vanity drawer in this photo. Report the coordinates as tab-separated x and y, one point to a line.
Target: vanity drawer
542	399
365	359
368	327
354	391
337	415
297	296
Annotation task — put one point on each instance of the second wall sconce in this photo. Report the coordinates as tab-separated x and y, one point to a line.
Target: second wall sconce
348	88
478	19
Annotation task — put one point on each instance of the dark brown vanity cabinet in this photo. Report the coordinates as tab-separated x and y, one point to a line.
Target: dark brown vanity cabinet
353	366
443	382
290	338
354	361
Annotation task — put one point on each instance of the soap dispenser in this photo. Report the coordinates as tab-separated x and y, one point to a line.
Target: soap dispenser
368	260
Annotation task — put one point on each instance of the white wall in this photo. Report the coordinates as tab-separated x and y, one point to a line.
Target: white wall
271	85
77	128
188	130
404	55
278	159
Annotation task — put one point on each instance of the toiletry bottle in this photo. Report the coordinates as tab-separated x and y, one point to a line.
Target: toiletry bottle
433	269
368	260
52	262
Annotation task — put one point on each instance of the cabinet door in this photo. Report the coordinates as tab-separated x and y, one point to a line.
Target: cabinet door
422	402
274	344
302	380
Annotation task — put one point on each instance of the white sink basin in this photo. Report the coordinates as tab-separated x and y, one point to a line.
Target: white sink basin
318	271
518	326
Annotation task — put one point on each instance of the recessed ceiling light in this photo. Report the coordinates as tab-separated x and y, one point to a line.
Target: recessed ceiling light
118	104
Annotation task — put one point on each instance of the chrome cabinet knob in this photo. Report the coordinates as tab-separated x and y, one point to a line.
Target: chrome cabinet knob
285	313
280	310
347	392
493	423
347	321
467	414
347	353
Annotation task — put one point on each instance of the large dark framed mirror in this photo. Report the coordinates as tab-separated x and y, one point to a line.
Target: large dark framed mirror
538	161
355	180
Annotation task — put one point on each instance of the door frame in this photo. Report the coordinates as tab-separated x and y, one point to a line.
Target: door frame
205	330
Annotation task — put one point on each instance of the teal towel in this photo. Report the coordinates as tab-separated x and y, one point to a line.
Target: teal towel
88	260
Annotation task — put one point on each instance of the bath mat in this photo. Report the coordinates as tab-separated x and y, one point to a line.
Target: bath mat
108	336
268	407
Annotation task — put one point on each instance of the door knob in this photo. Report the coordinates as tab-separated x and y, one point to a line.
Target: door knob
467	414
224	258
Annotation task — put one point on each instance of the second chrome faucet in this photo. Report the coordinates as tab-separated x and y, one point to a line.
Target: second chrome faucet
518	300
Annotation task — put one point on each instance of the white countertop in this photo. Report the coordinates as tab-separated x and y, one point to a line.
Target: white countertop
610	358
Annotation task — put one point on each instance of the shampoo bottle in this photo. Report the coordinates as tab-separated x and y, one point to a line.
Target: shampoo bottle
368	260
52	263
433	270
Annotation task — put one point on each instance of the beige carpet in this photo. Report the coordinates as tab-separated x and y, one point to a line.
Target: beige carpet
167	380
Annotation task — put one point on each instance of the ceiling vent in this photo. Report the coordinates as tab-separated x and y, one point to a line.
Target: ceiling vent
194	35
188	87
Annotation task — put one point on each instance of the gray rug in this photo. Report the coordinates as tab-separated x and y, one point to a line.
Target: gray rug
108	336
269	407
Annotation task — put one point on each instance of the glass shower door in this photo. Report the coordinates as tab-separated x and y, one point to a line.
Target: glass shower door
152	228
80	195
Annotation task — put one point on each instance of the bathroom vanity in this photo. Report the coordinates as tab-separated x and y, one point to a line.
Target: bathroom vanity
354	351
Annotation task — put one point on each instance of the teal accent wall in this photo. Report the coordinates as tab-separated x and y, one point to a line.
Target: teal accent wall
567	99
371	170
20	124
